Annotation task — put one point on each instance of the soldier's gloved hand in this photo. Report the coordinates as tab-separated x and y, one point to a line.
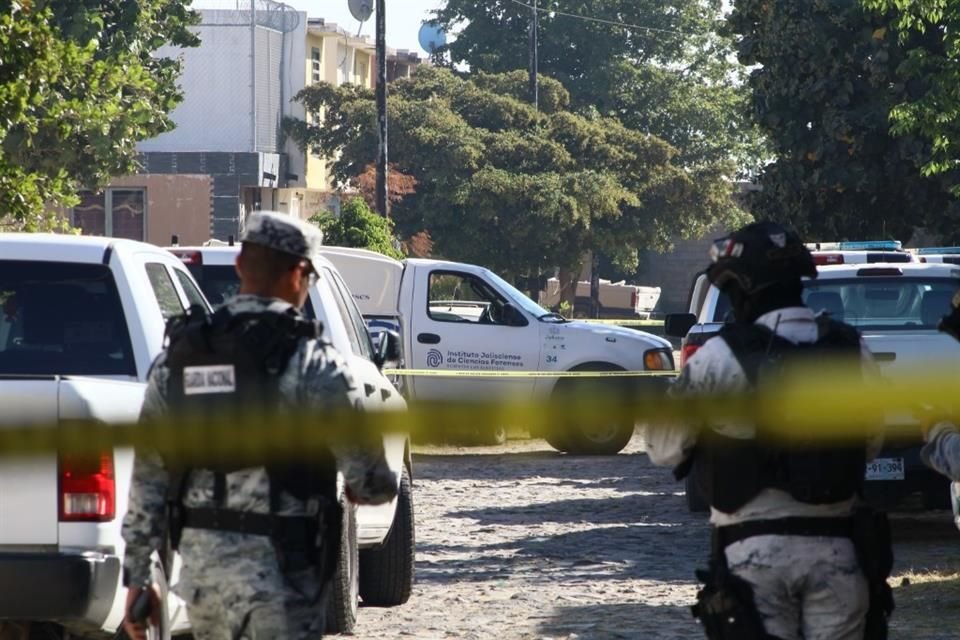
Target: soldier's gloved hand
136	629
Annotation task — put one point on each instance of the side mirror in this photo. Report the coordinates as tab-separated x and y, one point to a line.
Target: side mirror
386	345
513	317
677	325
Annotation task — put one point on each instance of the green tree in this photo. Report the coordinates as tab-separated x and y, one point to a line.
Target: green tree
502	185
929	31
358	226
669	74
824	82
79	87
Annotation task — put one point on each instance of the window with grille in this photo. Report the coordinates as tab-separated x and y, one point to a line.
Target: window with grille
115	213
316	57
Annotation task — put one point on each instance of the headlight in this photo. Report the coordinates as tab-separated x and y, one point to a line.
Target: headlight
658	360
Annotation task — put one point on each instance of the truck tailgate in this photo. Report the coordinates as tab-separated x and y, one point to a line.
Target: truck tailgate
29	496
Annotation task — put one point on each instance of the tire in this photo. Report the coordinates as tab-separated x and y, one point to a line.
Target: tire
695	500
344	598
386	572
558	440
592	439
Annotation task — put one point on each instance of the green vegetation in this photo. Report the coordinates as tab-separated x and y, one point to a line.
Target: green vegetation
80	87
503	185
358	226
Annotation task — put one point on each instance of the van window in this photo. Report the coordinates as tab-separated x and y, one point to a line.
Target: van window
343	309
62	318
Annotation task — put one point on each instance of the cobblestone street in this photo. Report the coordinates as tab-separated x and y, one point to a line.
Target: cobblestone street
523	542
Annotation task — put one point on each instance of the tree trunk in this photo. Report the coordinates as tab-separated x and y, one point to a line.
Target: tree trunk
568	285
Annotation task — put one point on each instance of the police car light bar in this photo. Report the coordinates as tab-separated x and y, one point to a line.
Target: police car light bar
865	245
929	251
872	245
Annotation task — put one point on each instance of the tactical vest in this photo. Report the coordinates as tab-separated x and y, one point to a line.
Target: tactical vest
732	471
231	364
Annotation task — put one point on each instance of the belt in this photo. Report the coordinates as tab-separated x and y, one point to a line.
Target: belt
814	527
248	522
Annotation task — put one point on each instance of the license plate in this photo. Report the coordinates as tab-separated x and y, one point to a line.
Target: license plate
885	469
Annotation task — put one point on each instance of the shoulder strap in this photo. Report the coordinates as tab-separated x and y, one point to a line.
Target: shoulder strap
753	345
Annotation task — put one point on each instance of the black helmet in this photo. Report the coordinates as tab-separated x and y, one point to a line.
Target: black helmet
758	256
950	323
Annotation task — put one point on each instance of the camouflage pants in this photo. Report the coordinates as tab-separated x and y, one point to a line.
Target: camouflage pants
234	590
805	588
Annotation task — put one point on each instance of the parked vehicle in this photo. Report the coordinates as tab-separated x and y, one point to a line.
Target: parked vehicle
379	548
464	317
896	307
617	299
82	320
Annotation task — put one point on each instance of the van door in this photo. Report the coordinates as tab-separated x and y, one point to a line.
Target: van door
459	323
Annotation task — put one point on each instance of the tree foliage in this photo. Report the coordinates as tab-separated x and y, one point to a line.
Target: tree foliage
79	87
503	185
358	226
824	82
929	31
669	74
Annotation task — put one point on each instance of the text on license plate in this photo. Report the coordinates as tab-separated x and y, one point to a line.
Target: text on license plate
885	469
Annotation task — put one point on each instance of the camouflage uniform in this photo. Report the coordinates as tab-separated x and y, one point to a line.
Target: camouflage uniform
804	587
232	582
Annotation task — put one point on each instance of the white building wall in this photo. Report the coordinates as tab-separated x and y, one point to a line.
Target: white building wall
217	112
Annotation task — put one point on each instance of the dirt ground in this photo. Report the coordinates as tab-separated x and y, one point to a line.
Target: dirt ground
523	542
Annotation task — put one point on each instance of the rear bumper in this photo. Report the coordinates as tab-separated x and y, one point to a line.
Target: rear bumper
58	586
918	479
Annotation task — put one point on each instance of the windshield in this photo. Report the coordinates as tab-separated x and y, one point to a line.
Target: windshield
61	318
516	296
218	283
888	303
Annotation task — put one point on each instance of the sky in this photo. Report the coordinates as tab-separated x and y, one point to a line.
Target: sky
404	18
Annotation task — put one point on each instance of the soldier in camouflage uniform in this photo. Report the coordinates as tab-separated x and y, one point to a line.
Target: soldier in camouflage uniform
788	560
237	584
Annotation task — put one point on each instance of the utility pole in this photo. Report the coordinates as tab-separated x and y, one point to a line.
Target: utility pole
534	56
382	109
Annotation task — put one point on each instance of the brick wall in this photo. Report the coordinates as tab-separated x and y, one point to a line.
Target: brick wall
674	271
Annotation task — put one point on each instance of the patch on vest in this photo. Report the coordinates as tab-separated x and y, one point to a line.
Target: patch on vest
218	378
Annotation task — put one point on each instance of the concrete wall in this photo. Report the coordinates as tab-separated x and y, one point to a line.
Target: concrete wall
217	113
674	271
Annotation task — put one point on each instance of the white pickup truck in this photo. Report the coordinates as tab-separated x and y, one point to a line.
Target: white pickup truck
81	320
457	316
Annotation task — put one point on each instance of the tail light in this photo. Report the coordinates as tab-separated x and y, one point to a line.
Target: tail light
634	298
827	258
189	258
88	490
686	352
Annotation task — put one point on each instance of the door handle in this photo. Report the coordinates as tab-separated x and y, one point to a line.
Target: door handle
428	338
885	356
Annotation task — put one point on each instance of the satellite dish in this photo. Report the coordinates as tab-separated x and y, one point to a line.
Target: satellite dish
431	37
361	9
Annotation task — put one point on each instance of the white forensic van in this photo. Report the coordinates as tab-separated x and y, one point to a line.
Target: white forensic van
459	316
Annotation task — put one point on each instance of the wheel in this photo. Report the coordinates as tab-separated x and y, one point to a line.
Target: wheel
344	599
695	500
591	439
557	439
386	573
492	435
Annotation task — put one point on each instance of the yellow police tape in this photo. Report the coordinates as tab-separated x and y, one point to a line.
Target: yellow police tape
816	405
625	322
461	373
